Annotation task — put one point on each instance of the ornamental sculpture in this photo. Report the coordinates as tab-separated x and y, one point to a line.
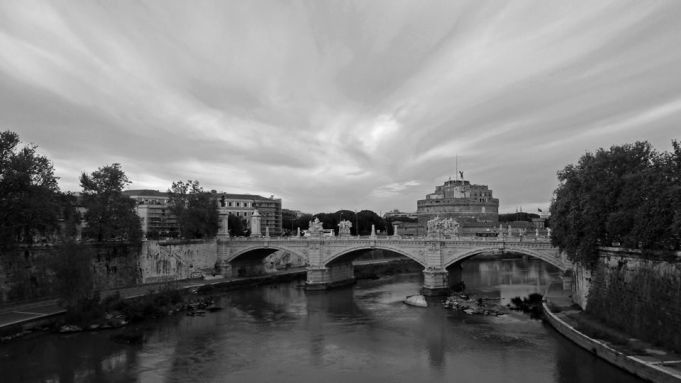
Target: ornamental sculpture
344	228
316	227
442	226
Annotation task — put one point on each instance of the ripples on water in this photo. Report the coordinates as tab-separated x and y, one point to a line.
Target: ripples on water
280	333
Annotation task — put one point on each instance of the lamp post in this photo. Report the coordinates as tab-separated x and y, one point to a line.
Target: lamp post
356	225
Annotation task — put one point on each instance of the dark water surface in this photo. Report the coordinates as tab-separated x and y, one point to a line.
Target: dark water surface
280	333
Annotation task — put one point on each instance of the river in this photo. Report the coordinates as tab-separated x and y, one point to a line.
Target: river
363	333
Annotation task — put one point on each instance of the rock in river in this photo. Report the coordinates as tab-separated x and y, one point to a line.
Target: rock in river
416	300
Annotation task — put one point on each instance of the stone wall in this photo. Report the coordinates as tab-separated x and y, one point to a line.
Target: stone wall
27	273
581	286
283	260
161	261
641	297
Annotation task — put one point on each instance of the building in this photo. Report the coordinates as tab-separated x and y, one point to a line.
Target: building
153	208
396	214
472	206
154	211
244	205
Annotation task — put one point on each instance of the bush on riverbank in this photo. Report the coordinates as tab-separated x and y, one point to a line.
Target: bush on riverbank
114	311
149	306
531	305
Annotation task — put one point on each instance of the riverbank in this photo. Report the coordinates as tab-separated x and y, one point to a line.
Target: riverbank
635	356
27	318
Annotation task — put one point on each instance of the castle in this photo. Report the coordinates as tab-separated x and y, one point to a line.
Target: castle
472	206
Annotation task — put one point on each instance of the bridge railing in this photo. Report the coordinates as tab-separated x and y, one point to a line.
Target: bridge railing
505	239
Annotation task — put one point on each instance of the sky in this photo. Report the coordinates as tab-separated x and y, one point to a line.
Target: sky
339	104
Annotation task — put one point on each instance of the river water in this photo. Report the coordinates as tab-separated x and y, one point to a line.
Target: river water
363	333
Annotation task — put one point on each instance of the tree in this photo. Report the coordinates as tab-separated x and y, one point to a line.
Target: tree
366	218
237	226
74	278
70	216
196	210
288	220
110	214
627	195
29	205
361	222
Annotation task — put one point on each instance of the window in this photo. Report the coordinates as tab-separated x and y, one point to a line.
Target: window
229	203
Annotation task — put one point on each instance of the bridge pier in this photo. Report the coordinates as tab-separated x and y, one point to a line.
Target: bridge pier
435	283
333	275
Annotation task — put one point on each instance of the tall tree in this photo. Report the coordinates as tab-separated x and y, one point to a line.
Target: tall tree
195	209
288	220
366	218
29	204
626	195
110	214
237	226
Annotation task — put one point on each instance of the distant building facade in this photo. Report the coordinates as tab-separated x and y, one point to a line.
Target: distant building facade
244	205
396	214
154	211
153	208
472	206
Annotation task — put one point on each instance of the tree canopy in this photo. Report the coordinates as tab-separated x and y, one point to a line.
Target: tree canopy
29	194
519	216
110	215
195	209
629	195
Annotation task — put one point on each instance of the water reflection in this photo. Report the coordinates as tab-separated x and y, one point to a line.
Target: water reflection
361	334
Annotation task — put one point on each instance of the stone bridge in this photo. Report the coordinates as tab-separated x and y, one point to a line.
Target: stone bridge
330	259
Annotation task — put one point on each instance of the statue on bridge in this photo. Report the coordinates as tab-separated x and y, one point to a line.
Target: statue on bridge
344	228
316	227
442	227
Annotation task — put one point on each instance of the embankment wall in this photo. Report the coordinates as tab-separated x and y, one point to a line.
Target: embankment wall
161	261
638	295
27	273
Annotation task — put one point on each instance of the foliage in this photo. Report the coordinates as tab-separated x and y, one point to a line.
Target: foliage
69	215
150	305
361	221
288	219
627	195
237	226
519	216
195	210
110	214
366	218
29	205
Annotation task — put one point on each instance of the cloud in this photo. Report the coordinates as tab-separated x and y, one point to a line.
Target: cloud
338	105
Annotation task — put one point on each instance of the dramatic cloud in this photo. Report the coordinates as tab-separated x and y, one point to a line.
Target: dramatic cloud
339	104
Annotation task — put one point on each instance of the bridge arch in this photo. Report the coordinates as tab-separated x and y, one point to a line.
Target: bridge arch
256	248
399	251
552	260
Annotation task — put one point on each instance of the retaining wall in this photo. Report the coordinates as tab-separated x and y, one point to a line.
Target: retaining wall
642	297
27	273
161	261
